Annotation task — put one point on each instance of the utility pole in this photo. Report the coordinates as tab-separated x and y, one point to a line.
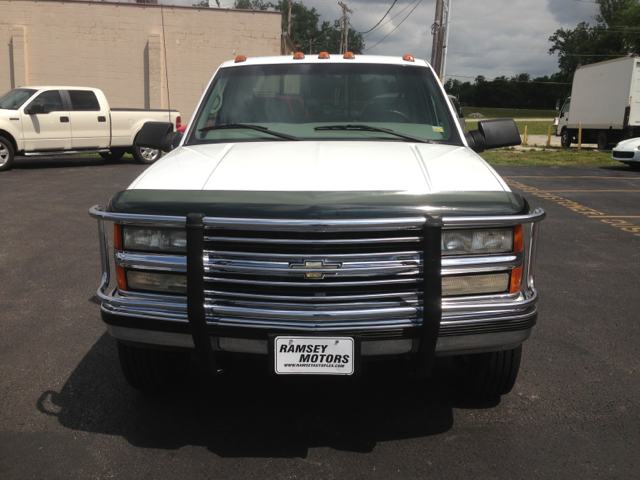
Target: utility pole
437	30
345	28
446	41
289	23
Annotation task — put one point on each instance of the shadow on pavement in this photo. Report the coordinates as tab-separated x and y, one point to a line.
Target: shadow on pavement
70	161
247	413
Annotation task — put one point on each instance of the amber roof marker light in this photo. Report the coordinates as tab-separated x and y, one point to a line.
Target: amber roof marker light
241	58
298	56
349	56
408	58
324	55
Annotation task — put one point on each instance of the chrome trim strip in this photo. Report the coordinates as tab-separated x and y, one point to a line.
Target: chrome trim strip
346	225
124	218
63	152
314	327
149	261
299	257
311	283
311	315
502	221
219	294
295	241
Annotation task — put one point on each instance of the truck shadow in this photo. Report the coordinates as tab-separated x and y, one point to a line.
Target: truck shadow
66	161
247	413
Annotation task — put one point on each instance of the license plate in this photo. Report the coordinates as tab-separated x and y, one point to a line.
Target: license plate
314	355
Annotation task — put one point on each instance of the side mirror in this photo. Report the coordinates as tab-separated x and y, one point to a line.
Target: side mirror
558	104
35	109
159	136
493	134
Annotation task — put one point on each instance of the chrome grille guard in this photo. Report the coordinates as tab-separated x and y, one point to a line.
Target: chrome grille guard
365	311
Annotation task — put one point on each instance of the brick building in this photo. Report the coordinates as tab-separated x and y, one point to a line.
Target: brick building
128	50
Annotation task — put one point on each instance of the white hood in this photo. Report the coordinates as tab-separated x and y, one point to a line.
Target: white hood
628	145
322	166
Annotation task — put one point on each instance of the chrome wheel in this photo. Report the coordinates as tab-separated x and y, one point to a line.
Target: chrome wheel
146	155
149	154
4	154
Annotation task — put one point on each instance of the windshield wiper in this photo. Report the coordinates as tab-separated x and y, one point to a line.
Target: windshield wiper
368	128
251	127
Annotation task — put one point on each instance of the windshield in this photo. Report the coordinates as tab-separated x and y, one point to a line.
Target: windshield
303	100
16	98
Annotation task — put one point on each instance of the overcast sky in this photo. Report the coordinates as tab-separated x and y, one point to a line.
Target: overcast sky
487	37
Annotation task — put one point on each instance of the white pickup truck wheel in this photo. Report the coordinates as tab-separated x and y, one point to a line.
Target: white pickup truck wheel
113	154
152	370
6	154
146	155
493	374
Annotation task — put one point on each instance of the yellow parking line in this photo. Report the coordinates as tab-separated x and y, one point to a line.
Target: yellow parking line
616	216
590	191
571	176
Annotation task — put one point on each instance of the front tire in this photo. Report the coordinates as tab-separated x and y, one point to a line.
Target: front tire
602	140
7	154
146	155
565	138
113	155
493	374
152	370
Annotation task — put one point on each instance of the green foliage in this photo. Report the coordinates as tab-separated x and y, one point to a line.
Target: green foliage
615	34
202	3
519	91
304	27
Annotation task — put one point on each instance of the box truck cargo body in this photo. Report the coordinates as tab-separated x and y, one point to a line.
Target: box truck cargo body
605	98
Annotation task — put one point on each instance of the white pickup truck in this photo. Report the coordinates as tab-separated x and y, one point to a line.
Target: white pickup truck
321	211
65	120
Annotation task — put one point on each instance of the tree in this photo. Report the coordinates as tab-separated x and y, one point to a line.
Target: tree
201	3
304	27
615	34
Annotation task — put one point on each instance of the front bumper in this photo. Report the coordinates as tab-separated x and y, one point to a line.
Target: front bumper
626	155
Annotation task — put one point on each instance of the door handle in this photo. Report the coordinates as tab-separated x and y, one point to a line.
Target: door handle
64	119
102	119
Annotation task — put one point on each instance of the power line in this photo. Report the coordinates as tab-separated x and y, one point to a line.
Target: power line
394	28
383	17
397	14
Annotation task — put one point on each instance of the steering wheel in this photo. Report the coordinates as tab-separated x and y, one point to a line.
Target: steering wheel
395	112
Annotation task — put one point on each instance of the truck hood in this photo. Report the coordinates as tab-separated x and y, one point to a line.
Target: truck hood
322	166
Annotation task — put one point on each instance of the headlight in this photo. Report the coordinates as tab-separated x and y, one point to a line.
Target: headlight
154	239
475	284
157	282
465	242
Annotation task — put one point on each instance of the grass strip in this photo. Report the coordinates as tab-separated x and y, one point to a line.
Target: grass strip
548	156
509	112
533	128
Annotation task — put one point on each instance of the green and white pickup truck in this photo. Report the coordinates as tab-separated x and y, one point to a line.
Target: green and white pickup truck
319	212
65	120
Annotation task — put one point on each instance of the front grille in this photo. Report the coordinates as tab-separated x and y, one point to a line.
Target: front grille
369	278
619	154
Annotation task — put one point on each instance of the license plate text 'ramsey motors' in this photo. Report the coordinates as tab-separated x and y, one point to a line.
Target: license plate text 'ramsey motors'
314	355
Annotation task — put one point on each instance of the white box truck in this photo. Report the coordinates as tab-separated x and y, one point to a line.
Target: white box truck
605	98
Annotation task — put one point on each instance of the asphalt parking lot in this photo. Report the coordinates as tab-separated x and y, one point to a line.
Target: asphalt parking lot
66	411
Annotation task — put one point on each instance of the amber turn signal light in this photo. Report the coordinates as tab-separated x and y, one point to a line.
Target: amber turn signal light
349	56
298	56
240	58
408	58
117	245
323	55
516	273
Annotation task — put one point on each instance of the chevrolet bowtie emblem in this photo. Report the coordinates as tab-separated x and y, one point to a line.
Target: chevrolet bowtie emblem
315	266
